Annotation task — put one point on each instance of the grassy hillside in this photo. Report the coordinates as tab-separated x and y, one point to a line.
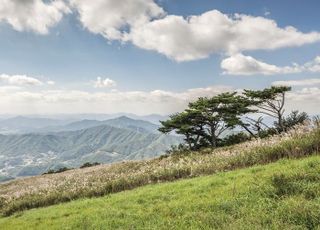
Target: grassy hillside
282	195
106	179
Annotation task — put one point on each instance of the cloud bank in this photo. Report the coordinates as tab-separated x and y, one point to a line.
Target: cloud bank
20	101
17	100
304	82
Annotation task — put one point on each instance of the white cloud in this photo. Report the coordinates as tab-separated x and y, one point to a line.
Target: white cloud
313	66
19	101
146	25
75	101
104	83
240	64
196	37
21	80
304	82
32	15
306	99
111	18
51	83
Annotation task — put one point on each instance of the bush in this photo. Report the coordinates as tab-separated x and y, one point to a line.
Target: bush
88	164
293	119
234	139
60	170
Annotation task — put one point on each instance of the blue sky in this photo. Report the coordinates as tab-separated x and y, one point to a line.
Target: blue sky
72	56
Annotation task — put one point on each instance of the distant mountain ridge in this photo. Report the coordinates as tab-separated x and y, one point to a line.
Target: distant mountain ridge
21	124
44	123
122	122
121	139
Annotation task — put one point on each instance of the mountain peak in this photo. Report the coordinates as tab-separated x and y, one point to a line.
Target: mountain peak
123	118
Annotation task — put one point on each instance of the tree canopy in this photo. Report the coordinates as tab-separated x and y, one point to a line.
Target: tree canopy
212	122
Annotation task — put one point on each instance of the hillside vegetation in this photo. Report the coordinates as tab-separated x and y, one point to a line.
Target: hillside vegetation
106	179
282	195
110	141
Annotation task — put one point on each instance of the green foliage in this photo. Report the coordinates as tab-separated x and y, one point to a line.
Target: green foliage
88	164
270	101
206	119
261	197
235	139
72	149
60	170
293	119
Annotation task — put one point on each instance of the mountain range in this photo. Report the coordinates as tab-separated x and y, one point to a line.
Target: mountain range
46	123
120	122
73	144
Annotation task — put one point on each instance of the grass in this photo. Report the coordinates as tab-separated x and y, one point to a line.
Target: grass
101	180
281	195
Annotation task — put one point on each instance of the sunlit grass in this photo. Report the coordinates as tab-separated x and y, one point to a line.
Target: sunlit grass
282	195
107	179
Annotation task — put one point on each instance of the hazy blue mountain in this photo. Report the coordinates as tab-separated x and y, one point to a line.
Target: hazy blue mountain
21	124
153	118
122	122
32	154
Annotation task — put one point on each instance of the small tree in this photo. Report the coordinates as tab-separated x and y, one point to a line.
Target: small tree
294	118
271	102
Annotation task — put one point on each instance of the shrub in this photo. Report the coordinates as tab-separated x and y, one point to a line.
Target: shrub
88	164
234	139
60	170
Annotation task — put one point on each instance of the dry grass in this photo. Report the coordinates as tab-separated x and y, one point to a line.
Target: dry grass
100	180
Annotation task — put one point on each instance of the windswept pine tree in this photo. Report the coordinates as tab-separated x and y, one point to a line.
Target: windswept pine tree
205	121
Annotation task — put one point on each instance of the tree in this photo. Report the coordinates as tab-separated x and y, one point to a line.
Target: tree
220	113
205	120
271	102
186	124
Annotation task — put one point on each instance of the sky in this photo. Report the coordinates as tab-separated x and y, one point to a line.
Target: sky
148	56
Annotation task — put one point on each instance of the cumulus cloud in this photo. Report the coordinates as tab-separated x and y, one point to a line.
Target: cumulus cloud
304	82
32	15
112	18
20	80
240	64
104	83
196	37
148	26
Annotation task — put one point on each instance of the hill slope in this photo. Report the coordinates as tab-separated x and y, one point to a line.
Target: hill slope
33	154
282	195
101	180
